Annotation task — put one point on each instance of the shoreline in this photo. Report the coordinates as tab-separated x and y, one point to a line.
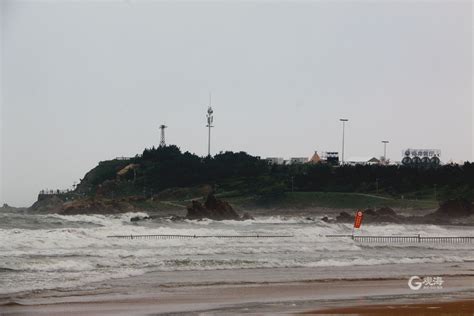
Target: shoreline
340	297
457	307
283	290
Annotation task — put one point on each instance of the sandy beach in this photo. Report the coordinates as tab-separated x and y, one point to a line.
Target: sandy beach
460	308
336	290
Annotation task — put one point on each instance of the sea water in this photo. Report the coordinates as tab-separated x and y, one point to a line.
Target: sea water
58	251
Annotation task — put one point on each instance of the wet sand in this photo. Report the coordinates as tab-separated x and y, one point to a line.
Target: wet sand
368	297
459	308
340	290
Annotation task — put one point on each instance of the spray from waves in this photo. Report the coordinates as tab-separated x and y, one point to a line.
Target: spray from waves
259	220
103	220
57	257
188	264
30	281
52	221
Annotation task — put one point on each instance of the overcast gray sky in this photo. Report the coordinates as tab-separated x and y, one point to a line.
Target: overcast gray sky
84	81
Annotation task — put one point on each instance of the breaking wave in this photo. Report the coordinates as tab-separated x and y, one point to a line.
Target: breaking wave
50	251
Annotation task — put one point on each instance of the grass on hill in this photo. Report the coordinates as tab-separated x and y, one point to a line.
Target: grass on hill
334	200
176	199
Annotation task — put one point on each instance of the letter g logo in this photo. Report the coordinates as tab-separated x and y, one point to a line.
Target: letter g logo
415	283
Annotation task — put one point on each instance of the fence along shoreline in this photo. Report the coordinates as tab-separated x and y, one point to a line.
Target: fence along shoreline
196	236
408	239
357	238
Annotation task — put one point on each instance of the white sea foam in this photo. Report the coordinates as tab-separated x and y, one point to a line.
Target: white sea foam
104	220
60	257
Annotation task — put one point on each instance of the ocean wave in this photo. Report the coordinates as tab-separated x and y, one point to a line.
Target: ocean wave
103	220
49	257
278	219
30	281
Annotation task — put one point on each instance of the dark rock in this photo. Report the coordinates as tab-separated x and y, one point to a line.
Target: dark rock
136	198
177	218
447	212
48	203
139	218
327	219
344	217
247	216
452	209
389	219
95	206
196	210
213	208
386	211
370	212
383	215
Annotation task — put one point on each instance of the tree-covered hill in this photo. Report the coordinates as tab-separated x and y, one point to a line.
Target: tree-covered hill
167	167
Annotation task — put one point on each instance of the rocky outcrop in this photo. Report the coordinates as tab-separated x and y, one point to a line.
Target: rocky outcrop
48	204
344	217
214	209
453	209
139	218
386	211
247	216
382	215
96	206
449	212
56	204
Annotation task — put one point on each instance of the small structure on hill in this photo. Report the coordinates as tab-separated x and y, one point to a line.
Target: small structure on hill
298	160
315	158
275	160
124	171
363	161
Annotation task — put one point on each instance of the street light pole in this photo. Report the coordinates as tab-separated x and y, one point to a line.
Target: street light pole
343	135
385	142
210	120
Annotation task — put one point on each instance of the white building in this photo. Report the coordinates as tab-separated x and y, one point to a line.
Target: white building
275	160
362	161
298	160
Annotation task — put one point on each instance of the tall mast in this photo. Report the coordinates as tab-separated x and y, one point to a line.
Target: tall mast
162	141
210	120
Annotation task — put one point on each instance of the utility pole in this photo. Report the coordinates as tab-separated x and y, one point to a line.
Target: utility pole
385	142
343	136
162	141
210	120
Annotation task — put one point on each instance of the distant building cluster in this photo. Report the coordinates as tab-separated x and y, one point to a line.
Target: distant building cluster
325	157
54	192
411	157
364	161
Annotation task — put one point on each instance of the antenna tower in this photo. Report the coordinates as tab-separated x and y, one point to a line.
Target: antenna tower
210	120
162	141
